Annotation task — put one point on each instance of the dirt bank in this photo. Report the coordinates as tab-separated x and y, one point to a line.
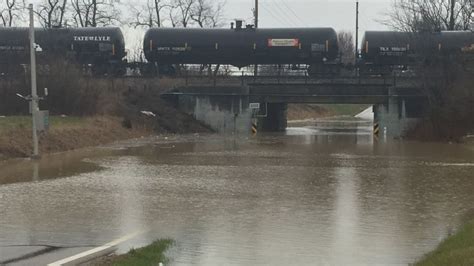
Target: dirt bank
92	131
129	121
306	111
163	117
314	111
106	110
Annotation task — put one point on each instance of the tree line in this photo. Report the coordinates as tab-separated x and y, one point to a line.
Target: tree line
446	79
430	15
98	13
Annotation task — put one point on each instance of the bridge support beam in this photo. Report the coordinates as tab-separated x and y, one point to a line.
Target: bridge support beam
275	119
396	117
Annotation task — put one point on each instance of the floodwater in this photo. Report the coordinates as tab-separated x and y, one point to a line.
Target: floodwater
323	194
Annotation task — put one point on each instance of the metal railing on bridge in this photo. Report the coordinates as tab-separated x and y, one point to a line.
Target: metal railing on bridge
245	79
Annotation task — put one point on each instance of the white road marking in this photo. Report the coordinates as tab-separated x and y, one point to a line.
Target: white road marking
96	252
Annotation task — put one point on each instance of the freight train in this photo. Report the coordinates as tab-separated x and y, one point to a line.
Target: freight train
386	51
102	50
243	46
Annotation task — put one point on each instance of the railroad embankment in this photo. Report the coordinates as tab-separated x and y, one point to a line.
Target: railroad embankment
90	112
69	133
66	133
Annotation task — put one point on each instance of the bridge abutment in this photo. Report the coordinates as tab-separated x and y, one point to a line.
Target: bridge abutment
396	117
224	114
275	119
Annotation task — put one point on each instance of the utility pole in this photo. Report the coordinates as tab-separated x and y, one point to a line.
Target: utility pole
256	13
255	70
34	94
357	33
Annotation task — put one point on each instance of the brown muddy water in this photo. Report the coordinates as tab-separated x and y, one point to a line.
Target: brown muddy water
325	194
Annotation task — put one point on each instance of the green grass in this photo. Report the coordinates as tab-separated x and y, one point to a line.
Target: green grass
149	255
455	250
15	122
344	109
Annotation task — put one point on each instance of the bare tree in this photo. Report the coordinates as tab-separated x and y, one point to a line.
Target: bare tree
51	13
177	13
93	13
148	14
173	17
346	47
442	77
216	19
10	12
207	13
200	12
429	15
184	8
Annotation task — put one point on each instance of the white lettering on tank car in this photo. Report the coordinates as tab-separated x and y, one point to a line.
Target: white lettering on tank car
317	47
174	49
92	38
393	51
12	48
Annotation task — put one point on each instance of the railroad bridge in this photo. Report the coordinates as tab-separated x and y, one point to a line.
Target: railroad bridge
226	103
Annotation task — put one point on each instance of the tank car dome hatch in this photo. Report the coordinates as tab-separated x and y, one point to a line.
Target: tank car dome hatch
238	24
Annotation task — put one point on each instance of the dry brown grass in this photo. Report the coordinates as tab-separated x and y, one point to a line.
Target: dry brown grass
314	111
91	131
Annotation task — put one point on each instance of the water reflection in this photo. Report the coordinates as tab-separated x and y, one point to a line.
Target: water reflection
309	196
346	220
35	171
49	166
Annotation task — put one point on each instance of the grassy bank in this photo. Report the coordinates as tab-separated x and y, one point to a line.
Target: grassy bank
150	255
455	250
66	133
15	122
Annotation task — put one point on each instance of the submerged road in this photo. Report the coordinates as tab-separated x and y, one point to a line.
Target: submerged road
323	193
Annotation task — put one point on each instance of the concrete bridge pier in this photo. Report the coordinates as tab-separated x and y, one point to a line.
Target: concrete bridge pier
396	117
228	114
275	117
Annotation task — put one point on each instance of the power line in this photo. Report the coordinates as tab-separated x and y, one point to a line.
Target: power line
284	13
273	15
279	13
293	12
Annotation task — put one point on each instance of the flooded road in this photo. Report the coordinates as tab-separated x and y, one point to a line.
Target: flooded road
320	194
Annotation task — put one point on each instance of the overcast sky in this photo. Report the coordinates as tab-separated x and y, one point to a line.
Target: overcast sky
338	14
